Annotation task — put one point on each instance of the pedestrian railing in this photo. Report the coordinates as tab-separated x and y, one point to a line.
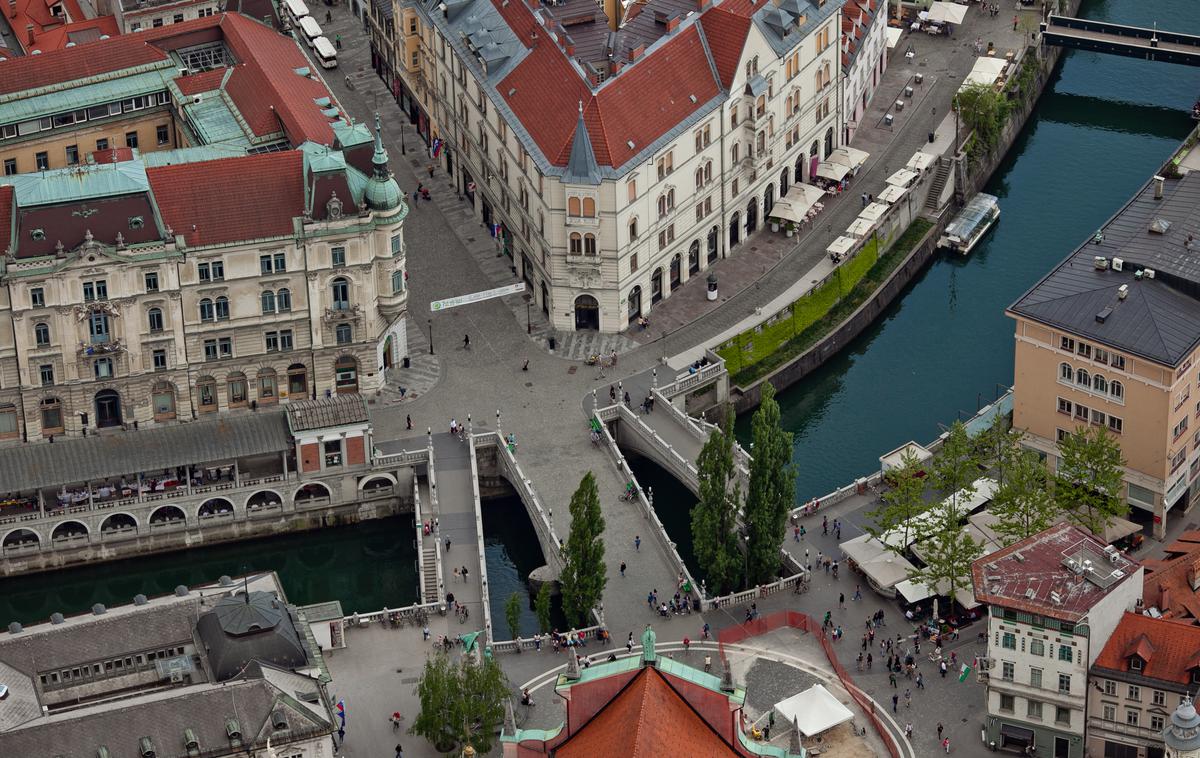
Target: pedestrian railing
484	595
435	509
688	380
543	520
405	458
756	593
590	633
408	613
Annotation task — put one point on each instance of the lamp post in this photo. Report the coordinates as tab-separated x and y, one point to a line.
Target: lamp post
403	148
430	322
528	319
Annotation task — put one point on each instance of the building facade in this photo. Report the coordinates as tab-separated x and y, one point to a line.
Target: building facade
1145	672
166	286
1054	600
864	58
607	192
1093	346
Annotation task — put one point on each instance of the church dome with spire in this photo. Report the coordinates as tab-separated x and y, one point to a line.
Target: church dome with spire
382	192
1182	735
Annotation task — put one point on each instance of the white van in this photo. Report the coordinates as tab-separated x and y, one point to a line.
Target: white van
296	9
325	53
309	29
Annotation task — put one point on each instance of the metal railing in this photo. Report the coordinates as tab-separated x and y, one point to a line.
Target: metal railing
483	578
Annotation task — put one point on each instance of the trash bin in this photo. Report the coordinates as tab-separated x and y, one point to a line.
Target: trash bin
407	362
712	285
550	341
860	486
931	136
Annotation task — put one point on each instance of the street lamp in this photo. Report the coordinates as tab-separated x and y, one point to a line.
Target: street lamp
528	322
403	149
430	322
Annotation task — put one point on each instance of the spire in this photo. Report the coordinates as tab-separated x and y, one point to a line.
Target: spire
582	167
794	746
649	656
382	192
573	665
510	718
380	159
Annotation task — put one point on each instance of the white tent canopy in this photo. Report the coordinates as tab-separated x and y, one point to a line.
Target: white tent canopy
893	36
920	161
985	489
895	459
985	71
814	711
902	178
793	206
863	548
951	13
891	193
848	156
841	245
859	228
832	171
915	592
873	212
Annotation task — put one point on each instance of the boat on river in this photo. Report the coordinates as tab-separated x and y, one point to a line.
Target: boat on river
971	223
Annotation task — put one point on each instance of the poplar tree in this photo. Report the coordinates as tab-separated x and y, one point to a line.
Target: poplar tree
772	490
584	573
714	518
1023	504
903	501
512	614
1089	481
541	607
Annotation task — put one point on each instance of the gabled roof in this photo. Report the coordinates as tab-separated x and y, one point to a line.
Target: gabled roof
648	718
1172	648
581	166
232	199
726	34
326	413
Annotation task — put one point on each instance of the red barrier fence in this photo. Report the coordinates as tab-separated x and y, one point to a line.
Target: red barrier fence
803	622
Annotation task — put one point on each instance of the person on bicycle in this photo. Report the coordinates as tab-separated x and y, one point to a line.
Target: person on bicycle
630	490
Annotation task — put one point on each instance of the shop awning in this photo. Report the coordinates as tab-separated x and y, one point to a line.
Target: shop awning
895	459
832	171
915	592
920	161
873	212
985	71
902	178
814	711
891	193
1019	733
948	13
863	548
793	206
893	36
859	228
848	156
885	571
842	245
1118	528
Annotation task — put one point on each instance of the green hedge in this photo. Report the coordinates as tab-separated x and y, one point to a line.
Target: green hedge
760	350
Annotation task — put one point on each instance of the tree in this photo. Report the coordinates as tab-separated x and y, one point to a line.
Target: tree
583	574
772	490
1088	484
462	702
512	614
541	607
998	446
714	517
1023	504
901	503
955	468
948	551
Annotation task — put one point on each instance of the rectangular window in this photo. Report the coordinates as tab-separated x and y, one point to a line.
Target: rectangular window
37	297
213	271
1034	709
1132	717
1066	653
1135	693
10	166
210	350
1007	670
225	345
1007	702
630	190
1110	712
633	263
43	161
1117	362
160	360
47	374
1035	678
1037	647
1068	344
1159	697
338	256
1085	350
72	155
285	339
1064	406
1156	722
272	341
1110	687
131	139
1009	641
396	245
162	133
333	453
97	290
103	368
1062	715
151	281
280	262
102	144
264	264
177	18
1081	412
1115	424
1064	683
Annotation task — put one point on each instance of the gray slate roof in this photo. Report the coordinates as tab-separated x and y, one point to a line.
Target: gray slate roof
327	412
1160	317
237	632
111	455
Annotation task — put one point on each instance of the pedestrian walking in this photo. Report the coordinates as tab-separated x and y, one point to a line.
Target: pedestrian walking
806	561
864	200
907	698
946	745
857	592
869	660
637	543
803	531
464	573
892	679
687	645
1014	29
337	38
841	600
626	398
447	544
796	533
707	662
612	393
825	525
920	681
895	702
942	668
908	730
706	632
940	728
408	421
622	569
429	168
466	342
455	573
864	643
859	661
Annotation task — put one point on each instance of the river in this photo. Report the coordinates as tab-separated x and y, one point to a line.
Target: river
1102	127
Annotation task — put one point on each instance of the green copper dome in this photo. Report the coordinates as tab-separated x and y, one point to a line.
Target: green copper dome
382	192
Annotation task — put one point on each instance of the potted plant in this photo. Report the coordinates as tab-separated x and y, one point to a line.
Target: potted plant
774	225
791	228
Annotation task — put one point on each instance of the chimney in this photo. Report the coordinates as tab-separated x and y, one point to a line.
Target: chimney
29	33
569	47
1158	187
673	23
637	52
703	5
12	8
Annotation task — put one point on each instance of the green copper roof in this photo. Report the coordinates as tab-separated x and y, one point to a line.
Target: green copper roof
321	159
66	185
383	192
351	135
214	121
197	154
84	96
541	735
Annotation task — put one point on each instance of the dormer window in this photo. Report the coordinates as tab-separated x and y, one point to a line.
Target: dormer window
1196	675
136	222
37	235
1136	664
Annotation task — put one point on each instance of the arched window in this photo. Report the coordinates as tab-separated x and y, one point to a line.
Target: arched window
700	178
154	319
206	393
283	300
340	289
222	308
633	228
41	334
576	242
662	205
268	301
589	244
1065	372
1116	389
236	386
344	334
708	172
735	153
817	79
206	310
1099	383
589	207
1082	378
572	206
267	387
163	399
671	199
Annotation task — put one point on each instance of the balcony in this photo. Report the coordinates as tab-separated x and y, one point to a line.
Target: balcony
100	344
342	311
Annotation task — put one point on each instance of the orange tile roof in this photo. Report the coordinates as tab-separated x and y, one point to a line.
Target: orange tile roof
726	34
1168	586
1169	648
206	81
231	199
58	37
648	718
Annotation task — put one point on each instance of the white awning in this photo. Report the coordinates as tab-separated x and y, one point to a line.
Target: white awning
895	459
848	156
893	36
1118	528
859	228
873	212
832	171
915	592
793	206
891	193
842	245
920	161
985	71
902	178
813	711
863	548
886	570
952	13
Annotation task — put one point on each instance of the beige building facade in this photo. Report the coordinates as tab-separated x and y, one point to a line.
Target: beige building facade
605	199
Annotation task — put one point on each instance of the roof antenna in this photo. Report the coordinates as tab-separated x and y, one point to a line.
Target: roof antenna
246	587
581	107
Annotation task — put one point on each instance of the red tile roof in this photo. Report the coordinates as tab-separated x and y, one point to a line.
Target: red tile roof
1029	575
1168	585
206	81
36	13
6	214
646	719
726	34
231	199
1169	648
78	32
114	155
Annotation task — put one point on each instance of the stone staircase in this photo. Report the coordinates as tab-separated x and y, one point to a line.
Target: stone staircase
429	548
932	200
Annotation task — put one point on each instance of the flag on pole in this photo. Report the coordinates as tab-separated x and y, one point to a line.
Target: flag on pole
495	230
964	673
437	147
341	711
